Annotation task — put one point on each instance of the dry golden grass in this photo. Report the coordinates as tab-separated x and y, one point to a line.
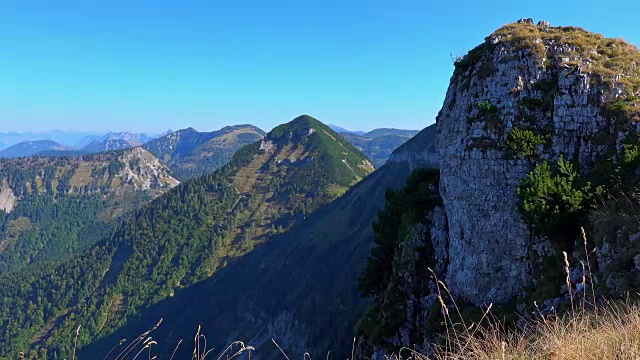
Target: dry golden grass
609	58
614	333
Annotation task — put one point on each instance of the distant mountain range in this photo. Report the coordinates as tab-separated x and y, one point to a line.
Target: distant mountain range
341	130
28	148
378	144
115	141
85	143
190	153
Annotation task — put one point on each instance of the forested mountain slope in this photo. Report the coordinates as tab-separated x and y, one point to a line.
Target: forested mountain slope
180	239
299	288
190	153
51	208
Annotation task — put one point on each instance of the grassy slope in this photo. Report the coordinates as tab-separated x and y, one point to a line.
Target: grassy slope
611	332
335	152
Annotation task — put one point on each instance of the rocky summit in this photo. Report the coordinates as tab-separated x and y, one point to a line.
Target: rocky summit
538	121
573	89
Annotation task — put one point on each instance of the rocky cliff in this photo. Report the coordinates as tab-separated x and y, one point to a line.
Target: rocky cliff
560	83
530	101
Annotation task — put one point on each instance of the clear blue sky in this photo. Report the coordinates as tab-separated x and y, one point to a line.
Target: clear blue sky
152	65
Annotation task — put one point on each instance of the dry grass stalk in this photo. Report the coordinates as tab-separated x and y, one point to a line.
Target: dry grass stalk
568	279
282	351
113	348
608	331
143	338
176	349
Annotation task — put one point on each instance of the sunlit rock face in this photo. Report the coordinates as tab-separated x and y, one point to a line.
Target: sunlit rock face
525	76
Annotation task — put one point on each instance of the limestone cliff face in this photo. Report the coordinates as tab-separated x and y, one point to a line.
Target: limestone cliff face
575	95
559	83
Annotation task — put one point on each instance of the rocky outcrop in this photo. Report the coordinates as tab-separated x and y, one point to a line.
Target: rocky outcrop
7	197
148	172
529	95
556	82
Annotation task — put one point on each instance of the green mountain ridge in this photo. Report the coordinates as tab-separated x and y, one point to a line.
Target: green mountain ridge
378	144
180	239
190	153
299	288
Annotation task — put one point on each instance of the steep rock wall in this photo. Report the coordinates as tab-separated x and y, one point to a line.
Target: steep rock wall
573	94
557	82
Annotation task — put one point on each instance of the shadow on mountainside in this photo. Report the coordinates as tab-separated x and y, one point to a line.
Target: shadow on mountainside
299	288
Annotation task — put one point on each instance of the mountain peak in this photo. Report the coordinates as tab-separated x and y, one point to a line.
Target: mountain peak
303	125
307	137
305	119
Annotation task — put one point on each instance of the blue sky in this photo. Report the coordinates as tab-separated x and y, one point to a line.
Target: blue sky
153	65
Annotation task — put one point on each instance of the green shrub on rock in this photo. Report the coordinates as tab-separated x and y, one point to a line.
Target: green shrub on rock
554	202
524	142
